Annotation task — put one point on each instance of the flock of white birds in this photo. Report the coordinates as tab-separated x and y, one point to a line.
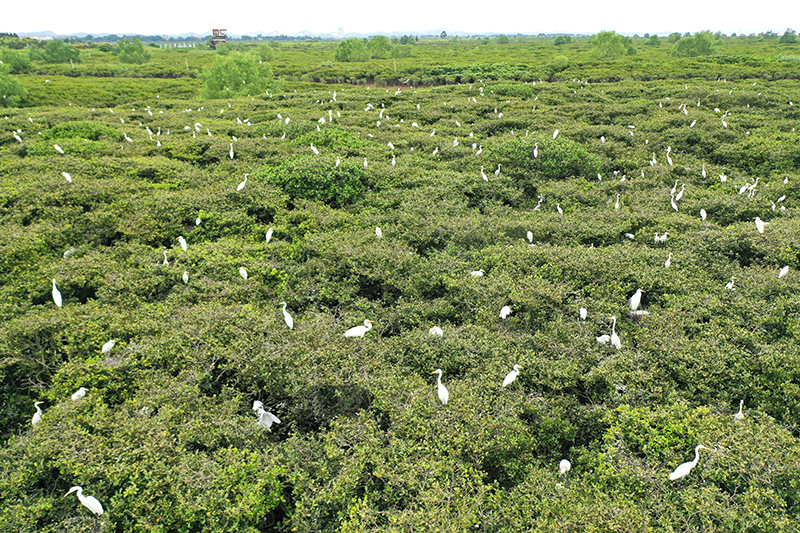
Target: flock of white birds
267	419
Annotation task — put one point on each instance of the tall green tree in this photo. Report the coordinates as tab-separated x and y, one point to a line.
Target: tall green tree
57	51
132	51
789	37
12	91
352	50
610	45
700	44
379	46
236	74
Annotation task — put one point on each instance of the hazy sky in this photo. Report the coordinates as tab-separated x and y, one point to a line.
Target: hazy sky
152	17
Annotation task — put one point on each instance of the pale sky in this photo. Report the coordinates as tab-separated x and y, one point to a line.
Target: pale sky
153	17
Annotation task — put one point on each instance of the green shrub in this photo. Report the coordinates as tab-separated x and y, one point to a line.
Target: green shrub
14	93
351	50
132	51
700	44
236	74
57	51
318	178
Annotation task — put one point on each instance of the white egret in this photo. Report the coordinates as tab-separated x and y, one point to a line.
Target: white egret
684	469
511	376
669	159
437	331
630	236
107	346
78	394
616	204
394	161
231	152
444	395
740	414
703	215
535	150
242	184
266	419
58	149
760	225
564	466
497	172
287	317
365	163
483	175
90	502
359	331
37	416
603	339
703	172
672	202
269	235
783	272
185	277
615	342
243	273
555	134
680	192
530	237
477	273
729	285
56	295
668	262
583	313
379	233
674	187
166	261
182	242
558	208
67	176
505	311
636	299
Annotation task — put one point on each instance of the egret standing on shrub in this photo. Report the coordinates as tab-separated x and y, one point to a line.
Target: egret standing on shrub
505	311
37	416
56	295
90	502
287	317
511	376
359	331
442	390
242	184
740	415
78	394
684	469
636	299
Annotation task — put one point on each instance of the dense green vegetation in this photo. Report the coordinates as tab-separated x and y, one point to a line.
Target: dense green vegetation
544	167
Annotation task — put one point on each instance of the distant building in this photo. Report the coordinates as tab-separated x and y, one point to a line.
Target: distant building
341	33
220	37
